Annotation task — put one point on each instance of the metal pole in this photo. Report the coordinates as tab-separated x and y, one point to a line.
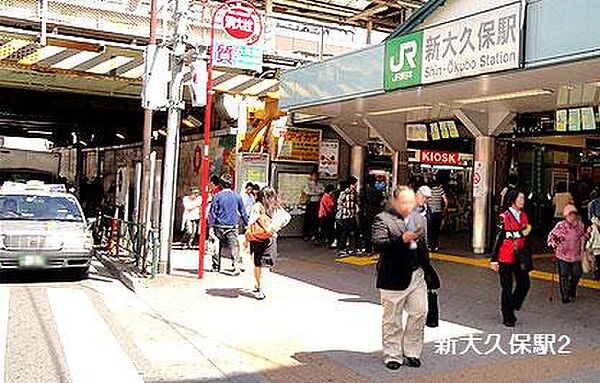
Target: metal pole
172	141
205	162
44	23
147	135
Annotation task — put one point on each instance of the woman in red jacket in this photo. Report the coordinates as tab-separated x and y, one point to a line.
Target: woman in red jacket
513	228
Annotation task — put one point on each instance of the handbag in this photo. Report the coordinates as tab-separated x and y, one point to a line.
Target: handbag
433	313
258	230
524	256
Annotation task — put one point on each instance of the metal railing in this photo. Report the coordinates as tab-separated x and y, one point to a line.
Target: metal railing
130	242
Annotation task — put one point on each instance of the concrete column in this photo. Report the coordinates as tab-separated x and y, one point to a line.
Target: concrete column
357	163
482	190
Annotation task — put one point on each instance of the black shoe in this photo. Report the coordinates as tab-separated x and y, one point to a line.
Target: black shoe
509	323
413	362
393	365
566	300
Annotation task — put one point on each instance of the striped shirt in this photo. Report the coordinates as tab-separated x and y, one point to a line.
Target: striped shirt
436	202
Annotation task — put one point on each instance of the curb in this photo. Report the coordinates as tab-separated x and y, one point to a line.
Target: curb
121	272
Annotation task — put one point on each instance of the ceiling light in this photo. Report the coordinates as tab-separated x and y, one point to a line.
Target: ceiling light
505	96
83	143
162	132
400	110
42	132
121	136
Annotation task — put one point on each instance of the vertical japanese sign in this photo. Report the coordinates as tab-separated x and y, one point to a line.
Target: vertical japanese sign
483	43
235	54
329	158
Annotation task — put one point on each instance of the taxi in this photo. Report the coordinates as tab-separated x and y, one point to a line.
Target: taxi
43	227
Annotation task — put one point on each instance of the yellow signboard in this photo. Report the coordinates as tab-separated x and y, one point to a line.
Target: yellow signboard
298	145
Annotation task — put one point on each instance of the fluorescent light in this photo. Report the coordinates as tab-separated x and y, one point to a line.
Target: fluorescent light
162	132
505	96
121	136
42	132
83	143
400	110
187	123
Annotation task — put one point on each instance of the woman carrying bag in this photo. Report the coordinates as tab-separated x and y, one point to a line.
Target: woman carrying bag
266	218
511	258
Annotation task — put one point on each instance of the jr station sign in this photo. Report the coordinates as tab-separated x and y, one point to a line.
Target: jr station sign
482	43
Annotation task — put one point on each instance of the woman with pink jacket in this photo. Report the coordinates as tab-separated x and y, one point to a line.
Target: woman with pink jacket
567	239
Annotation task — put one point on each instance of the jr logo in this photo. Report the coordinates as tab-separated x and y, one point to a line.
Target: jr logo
408	51
402	65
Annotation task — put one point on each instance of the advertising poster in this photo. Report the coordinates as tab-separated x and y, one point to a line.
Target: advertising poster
588	120
574	120
252	167
479	182
416	132
453	129
329	158
237	54
444	130
298	145
435	131
561	120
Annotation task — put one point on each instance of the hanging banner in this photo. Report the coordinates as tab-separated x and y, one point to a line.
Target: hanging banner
299	145
416	132
483	43
435	131
453	129
561	120
588	120
574	120
444	129
329	158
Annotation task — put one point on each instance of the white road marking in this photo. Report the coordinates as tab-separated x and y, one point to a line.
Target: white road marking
92	352
4	310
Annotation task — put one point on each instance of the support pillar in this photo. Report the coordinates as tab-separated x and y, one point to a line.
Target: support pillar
482	190
357	163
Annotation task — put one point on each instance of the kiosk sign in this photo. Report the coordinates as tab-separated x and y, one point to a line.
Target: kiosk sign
482	43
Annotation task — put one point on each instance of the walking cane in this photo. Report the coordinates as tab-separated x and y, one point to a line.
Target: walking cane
553	284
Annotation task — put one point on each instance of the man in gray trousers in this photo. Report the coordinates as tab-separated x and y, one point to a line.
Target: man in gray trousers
400	236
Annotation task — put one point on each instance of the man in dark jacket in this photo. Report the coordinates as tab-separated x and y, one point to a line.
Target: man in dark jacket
400	236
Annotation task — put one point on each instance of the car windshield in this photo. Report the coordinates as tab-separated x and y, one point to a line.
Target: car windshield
39	208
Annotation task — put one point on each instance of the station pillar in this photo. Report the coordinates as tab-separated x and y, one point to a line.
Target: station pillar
483	180
357	162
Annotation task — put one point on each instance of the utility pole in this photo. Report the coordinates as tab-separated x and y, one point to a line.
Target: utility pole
172	141
147	138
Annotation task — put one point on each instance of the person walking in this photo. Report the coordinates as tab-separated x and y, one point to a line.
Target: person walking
567	239
512	231
248	196
327	215
399	235
348	214
268	216
423	195
311	193
561	199
439	207
191	216
226	209
371	204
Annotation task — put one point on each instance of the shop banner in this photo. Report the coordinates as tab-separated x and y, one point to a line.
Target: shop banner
435	131
483	43
438	157
453	129
329	158
444	129
299	145
574	120
237	54
588	120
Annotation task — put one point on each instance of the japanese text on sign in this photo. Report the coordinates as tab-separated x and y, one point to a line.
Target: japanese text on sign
482	43
517	344
299	145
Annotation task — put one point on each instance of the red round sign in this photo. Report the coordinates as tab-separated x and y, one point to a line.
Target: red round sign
242	22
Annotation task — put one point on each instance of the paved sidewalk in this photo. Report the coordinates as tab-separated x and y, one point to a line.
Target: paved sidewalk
321	323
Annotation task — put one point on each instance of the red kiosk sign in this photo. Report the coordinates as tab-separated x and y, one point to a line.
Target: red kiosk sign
438	157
